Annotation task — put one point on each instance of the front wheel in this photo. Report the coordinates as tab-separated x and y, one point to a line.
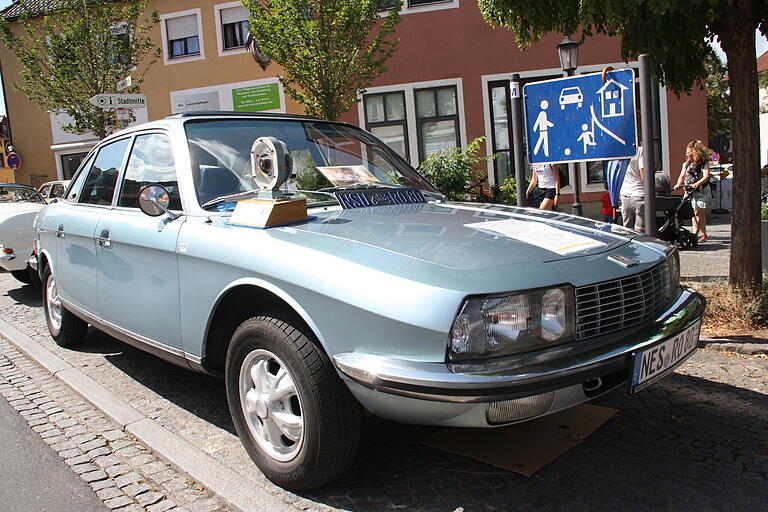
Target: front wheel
296	418
66	329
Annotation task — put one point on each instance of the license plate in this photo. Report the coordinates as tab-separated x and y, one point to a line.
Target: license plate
654	363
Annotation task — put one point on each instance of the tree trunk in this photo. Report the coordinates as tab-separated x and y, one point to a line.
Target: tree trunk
738	42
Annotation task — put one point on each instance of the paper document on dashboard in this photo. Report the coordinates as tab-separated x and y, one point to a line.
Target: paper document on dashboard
552	238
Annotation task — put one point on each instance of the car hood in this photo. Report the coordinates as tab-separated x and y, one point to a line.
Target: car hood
469	236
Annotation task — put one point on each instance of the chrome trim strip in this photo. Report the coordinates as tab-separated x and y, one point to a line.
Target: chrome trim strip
111	328
192	358
7	257
494	380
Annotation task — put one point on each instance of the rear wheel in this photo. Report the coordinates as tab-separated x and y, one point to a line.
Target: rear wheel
296	418
66	329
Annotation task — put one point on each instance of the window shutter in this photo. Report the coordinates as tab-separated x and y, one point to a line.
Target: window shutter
234	14
182	27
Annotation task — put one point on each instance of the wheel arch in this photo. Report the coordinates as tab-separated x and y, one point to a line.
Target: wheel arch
240	301
44	260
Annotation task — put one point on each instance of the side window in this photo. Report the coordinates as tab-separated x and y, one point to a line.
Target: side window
150	163
58	190
44	191
102	177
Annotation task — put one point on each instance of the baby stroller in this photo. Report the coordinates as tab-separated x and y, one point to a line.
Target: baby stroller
675	210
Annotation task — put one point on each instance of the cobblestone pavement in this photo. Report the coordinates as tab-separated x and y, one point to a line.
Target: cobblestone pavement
709	260
125	475
697	440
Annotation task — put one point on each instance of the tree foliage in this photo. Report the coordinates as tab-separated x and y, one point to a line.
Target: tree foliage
453	170
718	97
676	33
79	50
328	49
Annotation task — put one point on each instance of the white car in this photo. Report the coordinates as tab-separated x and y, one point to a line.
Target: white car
53	190
19	205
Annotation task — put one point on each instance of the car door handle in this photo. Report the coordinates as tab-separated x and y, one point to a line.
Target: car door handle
60	231
104	240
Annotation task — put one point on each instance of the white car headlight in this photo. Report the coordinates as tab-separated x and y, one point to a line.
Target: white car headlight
513	323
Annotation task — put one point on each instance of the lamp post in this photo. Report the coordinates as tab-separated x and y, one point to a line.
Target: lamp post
568	50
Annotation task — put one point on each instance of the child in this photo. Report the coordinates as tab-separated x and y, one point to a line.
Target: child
607	210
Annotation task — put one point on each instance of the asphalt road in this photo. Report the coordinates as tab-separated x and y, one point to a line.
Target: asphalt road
33	478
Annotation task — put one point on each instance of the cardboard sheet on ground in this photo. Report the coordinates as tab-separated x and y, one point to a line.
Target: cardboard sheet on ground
527	447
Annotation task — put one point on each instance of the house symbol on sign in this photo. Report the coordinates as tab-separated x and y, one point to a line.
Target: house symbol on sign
612	98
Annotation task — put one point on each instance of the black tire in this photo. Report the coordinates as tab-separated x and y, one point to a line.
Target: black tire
70	330
22	275
329	414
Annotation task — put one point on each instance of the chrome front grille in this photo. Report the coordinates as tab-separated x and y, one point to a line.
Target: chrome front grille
613	305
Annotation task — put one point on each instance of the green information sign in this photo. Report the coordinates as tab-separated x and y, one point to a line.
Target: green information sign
256	98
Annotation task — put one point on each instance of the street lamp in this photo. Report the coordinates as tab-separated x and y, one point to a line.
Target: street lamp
568	51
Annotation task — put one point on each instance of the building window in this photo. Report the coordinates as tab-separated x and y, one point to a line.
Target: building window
234	27
385	118
437	120
414	3
182	33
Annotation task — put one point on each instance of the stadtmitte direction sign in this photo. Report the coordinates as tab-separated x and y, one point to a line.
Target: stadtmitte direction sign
110	101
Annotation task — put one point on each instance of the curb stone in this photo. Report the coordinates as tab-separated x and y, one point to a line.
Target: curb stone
747	349
218	478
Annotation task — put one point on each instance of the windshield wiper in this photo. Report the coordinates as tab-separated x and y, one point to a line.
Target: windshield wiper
230	198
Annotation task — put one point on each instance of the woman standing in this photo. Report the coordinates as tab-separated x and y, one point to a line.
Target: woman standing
548	179
695	174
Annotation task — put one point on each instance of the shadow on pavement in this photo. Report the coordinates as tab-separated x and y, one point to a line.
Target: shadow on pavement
26	294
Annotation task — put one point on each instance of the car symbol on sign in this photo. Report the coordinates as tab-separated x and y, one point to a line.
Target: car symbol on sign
571	95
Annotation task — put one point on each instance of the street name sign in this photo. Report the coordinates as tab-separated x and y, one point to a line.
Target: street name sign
110	101
581	118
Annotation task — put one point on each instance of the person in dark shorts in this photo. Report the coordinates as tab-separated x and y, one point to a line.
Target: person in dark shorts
547	177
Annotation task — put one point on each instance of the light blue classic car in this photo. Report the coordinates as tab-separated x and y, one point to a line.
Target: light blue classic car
365	290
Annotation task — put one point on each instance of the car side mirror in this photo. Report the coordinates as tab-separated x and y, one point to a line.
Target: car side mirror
154	201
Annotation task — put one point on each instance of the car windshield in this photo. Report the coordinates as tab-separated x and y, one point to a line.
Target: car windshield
17	194
326	157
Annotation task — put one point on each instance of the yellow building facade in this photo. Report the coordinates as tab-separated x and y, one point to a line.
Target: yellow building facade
203	66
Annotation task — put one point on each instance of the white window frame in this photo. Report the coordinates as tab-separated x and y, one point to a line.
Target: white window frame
585	187
438	5
410	110
219	29
167	60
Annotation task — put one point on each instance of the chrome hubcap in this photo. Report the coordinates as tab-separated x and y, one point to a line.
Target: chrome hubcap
53	305
271	405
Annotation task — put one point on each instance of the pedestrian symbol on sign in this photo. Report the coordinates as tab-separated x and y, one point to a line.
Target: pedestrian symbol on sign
542	125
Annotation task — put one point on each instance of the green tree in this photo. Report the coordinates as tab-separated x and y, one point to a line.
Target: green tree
718	97
329	49
77	50
453	170
676	34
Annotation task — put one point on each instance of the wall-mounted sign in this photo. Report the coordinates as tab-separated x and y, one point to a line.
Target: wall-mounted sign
196	102
256	98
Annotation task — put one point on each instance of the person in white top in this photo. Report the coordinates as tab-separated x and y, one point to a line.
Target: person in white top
547	177
633	194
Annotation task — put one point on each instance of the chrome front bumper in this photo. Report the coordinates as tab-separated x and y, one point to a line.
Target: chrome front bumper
607	361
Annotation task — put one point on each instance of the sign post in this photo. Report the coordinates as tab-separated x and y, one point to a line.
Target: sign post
517	137
649	184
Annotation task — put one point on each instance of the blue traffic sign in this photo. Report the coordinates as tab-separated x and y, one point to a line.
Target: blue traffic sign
581	118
